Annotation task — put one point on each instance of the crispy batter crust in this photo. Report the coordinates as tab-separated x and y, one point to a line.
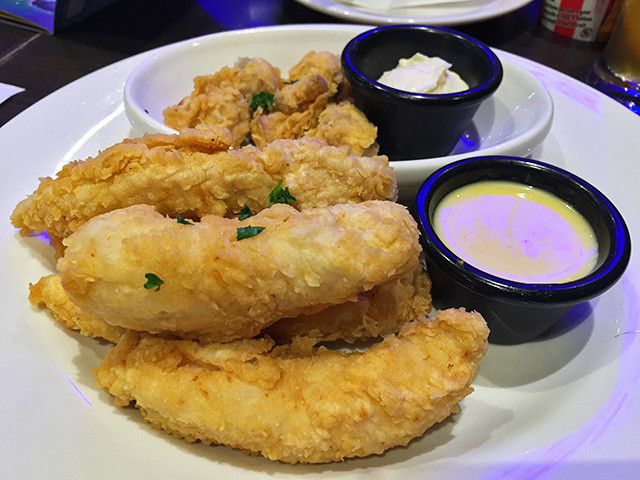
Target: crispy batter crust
380	311
195	174
216	285
298	406
316	84
48	293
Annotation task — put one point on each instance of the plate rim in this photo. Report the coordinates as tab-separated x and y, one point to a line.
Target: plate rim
353	14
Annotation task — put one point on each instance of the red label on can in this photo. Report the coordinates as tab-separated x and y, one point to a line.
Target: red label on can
578	19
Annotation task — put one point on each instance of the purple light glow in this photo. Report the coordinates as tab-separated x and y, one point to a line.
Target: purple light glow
75	387
613	429
44	237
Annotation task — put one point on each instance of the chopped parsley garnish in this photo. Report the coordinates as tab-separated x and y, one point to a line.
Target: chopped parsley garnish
245	213
180	219
262	100
280	195
153	282
248	232
291	82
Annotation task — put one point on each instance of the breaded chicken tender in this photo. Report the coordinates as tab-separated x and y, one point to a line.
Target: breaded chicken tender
48	293
223	287
297	406
195	174
379	311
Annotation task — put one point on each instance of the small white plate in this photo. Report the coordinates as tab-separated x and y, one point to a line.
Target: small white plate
444	13
513	121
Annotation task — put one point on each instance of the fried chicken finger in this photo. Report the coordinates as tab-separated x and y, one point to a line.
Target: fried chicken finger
379	311
294	406
218	285
48	293
195	174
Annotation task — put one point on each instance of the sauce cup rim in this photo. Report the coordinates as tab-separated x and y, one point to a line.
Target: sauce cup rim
477	93
609	270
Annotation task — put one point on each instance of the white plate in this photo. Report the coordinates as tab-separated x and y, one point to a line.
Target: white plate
443	13
513	121
564	407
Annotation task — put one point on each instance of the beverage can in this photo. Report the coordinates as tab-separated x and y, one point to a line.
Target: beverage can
576	19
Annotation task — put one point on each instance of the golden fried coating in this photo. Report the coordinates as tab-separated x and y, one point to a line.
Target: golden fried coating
48	293
336	124
297	406
301	95
224	98
325	64
319	175
270	127
315	83
255	75
194	174
305	106
344	124
221	106
380	311
225	288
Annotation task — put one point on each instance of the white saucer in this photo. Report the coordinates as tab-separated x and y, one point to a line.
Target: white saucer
441	13
513	121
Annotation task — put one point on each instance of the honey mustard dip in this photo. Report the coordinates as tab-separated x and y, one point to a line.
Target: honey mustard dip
516	232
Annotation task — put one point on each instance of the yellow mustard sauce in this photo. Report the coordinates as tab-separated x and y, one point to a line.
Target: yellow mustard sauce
516	232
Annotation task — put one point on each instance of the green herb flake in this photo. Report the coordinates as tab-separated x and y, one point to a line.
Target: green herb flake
262	100
245	213
153	282
180	219
291	82
248	232
281	195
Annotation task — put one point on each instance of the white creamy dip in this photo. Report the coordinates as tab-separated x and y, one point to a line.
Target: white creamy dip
516	232
422	74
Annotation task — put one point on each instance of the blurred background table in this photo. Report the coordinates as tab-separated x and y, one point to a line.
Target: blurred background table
41	63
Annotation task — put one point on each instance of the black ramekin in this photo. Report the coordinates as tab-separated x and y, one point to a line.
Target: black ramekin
416	125
519	312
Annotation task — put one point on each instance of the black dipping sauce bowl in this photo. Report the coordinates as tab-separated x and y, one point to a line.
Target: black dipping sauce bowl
417	125
518	312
